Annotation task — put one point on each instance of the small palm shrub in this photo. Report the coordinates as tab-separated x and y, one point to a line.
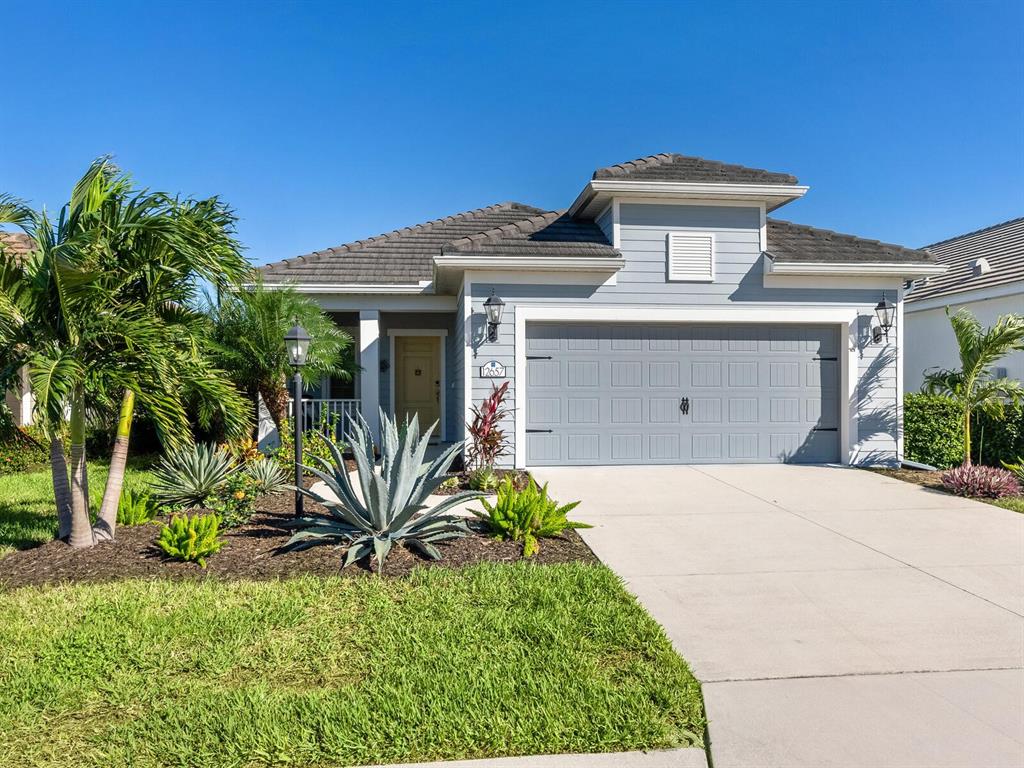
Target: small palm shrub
977	481
135	507
267	477
189	477
191	538
527	515
392	495
483	479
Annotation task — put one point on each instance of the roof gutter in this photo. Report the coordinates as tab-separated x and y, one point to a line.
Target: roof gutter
422	287
533	263
853	269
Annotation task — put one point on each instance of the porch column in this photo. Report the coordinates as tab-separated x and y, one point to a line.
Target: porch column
369	376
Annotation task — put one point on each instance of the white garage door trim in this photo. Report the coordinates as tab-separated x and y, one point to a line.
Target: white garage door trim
843	316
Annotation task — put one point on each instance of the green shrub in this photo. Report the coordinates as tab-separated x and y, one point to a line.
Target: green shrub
190	476
22	448
315	442
191	538
234	500
999	439
483	479
135	507
526	515
932	430
449	484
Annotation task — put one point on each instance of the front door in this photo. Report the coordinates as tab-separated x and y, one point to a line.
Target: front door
418	379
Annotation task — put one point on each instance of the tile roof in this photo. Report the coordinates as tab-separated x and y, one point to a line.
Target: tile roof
1001	245
16	243
669	166
404	256
548	234
798	243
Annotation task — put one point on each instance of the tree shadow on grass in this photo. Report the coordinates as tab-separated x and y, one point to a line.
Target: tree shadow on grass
22	526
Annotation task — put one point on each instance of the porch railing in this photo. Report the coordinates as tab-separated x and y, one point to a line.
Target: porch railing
322	414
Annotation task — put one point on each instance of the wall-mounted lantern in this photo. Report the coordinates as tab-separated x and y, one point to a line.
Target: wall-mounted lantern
494	307
885	311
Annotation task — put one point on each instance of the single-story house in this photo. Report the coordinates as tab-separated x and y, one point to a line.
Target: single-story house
18	399
663	317
986	275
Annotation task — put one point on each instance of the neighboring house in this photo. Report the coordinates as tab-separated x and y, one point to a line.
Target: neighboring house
986	275
18	399
661	318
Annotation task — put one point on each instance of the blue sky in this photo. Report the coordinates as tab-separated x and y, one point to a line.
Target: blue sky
322	122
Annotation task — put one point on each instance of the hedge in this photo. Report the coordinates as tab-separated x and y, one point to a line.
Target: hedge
933	434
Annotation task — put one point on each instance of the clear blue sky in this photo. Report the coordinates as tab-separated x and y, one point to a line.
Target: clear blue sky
322	122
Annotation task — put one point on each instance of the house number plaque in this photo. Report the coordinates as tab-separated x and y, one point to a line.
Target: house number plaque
492	369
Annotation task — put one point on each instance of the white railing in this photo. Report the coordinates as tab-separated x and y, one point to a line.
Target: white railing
322	414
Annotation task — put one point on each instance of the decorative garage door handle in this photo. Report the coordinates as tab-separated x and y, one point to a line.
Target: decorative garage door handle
684	405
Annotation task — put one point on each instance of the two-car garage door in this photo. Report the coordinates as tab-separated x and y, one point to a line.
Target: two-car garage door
681	394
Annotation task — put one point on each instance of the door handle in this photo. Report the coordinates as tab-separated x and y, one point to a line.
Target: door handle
684	405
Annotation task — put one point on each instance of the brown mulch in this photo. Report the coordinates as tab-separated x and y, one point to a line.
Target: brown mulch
249	552
917	476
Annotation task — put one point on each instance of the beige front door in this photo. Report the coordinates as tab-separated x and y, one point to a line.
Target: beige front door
418	379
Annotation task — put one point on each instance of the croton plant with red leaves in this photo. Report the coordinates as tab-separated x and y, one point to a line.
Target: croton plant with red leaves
487	436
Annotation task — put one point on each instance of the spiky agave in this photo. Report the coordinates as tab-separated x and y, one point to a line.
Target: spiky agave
389	509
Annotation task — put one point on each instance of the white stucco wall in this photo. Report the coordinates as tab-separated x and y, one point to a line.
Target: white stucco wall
929	341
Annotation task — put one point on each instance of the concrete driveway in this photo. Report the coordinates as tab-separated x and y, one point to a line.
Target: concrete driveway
834	616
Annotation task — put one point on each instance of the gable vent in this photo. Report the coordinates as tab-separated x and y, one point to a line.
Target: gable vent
691	256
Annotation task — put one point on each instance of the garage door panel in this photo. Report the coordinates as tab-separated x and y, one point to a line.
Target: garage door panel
611	394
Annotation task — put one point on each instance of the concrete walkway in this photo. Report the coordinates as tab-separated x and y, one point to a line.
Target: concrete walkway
834	616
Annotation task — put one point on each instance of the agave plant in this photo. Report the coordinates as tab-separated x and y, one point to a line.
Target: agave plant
189	476
267	476
385	511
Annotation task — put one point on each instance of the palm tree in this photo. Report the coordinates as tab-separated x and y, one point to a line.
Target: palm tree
94	311
249	326
972	385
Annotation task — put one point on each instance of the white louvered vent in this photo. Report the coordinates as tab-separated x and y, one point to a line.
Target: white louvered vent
691	256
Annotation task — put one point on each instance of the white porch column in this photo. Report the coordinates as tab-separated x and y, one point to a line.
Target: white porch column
369	376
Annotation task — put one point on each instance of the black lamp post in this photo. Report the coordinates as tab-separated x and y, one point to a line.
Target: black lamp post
494	306
296	343
885	310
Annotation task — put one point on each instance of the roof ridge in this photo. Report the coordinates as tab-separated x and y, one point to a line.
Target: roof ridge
425	226
621	169
834	233
975	232
525	226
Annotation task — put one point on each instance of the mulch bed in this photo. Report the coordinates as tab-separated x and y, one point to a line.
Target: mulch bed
519	479
923	477
249	552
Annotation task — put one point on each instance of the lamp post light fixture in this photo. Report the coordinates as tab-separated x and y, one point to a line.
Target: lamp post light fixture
296	343
885	311
494	306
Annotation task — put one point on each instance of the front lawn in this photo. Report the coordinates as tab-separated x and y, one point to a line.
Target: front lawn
481	661
27	514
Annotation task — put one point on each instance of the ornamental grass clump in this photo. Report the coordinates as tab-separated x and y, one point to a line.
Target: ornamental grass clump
976	481
527	515
191	538
391	506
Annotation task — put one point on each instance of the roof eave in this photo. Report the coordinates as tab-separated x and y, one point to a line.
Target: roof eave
424	287
597	192
448	268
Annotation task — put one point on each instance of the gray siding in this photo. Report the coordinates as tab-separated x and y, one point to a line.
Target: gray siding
739	279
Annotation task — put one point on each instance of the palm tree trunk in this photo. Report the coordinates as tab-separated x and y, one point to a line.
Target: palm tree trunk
81	529
61	486
275	396
967	437
106	522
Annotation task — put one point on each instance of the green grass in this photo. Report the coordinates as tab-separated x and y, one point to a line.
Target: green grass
27	514
1015	503
486	661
